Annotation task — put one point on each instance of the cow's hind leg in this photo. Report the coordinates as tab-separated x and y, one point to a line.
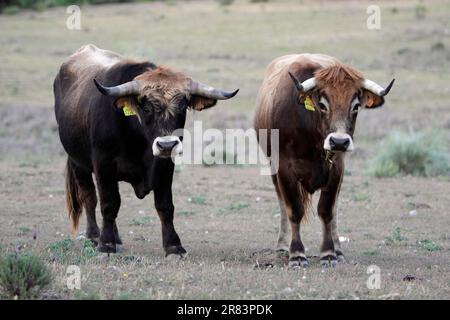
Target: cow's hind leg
330	251
88	198
108	188
294	205
283	233
81	186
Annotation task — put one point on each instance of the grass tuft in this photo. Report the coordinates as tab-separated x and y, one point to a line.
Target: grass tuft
429	245
396	237
418	154
141	221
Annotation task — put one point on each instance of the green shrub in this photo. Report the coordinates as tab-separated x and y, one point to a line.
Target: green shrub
396	237
59	250
419	154
429	245
67	251
23	275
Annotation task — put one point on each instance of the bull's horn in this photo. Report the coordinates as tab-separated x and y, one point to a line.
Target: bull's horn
376	88
125	89
206	91
304	86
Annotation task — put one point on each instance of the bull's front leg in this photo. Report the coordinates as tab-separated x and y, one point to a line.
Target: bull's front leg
295	210
330	249
164	206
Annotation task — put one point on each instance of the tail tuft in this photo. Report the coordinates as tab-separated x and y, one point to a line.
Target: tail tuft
73	196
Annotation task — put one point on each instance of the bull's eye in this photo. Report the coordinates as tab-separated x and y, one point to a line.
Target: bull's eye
355	105
323	104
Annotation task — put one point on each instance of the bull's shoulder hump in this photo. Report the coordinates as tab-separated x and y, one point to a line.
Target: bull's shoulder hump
89	56
284	62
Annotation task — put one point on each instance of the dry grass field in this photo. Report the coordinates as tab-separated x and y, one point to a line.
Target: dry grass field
227	216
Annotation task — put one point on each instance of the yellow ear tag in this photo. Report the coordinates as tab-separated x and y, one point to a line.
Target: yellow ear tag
309	104
127	110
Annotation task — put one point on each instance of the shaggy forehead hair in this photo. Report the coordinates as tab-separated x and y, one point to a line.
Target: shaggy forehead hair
338	75
164	88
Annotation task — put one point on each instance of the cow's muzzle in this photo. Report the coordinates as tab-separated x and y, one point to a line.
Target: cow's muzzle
167	146
338	141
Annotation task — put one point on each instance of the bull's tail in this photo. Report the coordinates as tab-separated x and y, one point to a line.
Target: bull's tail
73	196
306	199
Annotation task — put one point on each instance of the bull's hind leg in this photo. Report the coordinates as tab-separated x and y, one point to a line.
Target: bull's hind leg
89	200
283	233
108	189
293	204
330	250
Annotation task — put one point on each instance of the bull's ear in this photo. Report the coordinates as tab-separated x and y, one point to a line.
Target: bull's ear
371	100
129	105
199	103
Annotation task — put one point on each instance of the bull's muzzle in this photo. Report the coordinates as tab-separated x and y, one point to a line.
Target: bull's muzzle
338	141
167	146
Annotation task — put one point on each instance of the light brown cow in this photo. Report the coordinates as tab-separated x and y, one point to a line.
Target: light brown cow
313	100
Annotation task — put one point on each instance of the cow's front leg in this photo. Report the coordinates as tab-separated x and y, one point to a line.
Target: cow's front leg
164	206
330	249
283	233
294	208
108	189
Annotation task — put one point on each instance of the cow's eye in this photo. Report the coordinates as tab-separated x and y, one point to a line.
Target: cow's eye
323	104
146	109
355	105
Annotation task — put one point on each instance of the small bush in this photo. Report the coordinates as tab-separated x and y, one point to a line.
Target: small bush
419	154
429	245
23	275
396	237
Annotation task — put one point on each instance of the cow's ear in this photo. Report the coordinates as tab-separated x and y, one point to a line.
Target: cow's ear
371	100
126	102
199	103
129	106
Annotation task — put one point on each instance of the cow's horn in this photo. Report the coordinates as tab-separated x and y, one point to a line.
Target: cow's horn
376	88
125	89
304	86
204	90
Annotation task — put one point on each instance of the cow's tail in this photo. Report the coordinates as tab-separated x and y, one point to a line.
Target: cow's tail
306	199
73	196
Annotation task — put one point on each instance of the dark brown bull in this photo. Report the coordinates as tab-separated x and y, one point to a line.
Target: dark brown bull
313	100
133	145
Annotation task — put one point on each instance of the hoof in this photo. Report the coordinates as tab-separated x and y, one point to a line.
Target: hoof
118	240
176	250
93	235
176	257
107	247
340	257
282	247
298	262
329	261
